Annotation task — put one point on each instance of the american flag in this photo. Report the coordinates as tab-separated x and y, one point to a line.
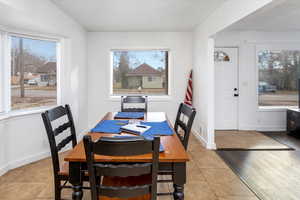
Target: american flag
189	91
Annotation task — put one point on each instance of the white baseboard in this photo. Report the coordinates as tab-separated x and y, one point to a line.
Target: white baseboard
199	137
24	161
262	128
4	169
247	128
266	128
18	163
29	159
212	146
203	141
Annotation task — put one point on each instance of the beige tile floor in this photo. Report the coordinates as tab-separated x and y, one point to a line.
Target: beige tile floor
208	178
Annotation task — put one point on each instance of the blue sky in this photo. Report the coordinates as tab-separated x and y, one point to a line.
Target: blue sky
154	58
40	48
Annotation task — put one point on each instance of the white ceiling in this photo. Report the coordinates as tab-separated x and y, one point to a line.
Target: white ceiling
282	16
139	15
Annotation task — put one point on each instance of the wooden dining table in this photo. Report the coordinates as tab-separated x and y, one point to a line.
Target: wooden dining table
174	157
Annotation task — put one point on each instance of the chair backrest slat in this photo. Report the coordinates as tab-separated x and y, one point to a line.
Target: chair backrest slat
48	117
62	128
190	113
64	142
187	110
182	125
124	192
122	146
113	146
56	113
114	170
134	100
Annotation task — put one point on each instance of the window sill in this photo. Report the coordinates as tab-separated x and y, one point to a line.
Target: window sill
24	112
162	98
274	108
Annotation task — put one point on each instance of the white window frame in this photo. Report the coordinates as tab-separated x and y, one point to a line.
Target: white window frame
5	68
276	46
116	97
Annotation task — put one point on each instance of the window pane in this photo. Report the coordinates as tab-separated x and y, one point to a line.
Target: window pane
278	77
33	73
140	72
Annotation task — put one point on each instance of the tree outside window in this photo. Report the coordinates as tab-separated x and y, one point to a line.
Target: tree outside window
278	75
33	73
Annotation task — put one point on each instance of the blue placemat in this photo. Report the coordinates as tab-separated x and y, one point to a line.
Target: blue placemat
109	126
161	147
157	128
130	115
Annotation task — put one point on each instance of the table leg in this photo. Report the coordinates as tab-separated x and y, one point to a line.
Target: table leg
77	192
179	178
76	180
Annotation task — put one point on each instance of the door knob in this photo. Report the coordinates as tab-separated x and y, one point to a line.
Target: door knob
236	94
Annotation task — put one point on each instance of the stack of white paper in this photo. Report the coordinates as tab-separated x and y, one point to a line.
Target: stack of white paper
135	128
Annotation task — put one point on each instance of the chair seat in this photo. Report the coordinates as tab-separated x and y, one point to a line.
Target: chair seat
127	181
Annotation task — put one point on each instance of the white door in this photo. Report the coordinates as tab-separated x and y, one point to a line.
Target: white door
226	88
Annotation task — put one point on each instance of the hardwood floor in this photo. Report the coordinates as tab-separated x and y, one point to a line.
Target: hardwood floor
282	137
270	174
208	178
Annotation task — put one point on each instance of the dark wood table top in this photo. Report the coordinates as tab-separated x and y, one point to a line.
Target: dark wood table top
174	150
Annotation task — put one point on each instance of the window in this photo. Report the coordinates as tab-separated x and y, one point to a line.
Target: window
33	72
277	84
28	72
140	72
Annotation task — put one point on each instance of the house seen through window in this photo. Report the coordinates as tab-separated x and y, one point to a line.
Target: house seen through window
278	75
33	72
140	72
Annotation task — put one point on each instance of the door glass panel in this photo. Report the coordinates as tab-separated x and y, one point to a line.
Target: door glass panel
221	56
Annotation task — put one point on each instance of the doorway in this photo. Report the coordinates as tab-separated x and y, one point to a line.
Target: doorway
226	88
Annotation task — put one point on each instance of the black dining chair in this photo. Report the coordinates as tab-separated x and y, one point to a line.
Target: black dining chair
60	169
122	180
184	120
134	100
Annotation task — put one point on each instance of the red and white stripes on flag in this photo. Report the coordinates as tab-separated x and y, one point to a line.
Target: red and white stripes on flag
189	91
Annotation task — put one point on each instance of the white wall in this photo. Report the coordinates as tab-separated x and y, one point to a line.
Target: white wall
3	156
99	64
227	14
22	138
250	117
